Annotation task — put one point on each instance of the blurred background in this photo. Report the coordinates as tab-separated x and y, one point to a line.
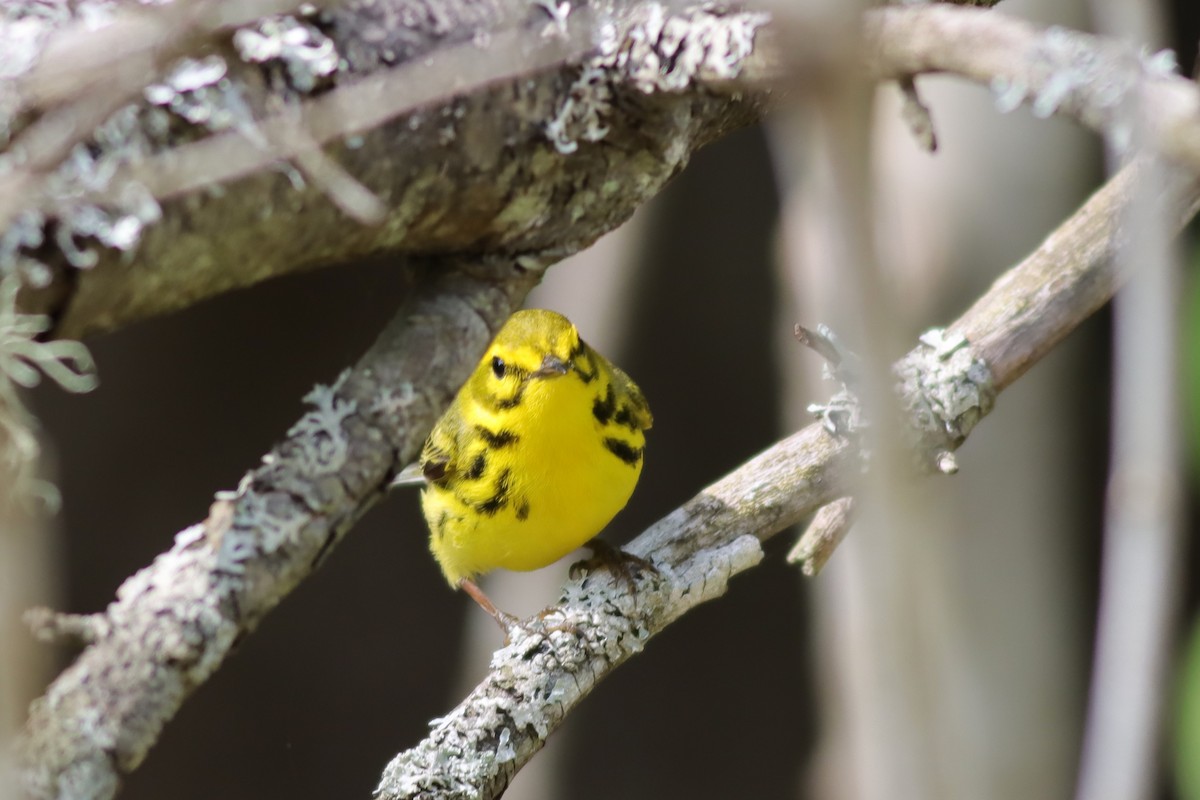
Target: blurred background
745	696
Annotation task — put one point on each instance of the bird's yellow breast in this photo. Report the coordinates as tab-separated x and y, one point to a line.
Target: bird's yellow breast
534	479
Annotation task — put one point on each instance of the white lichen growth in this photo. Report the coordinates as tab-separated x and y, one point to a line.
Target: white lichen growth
658	53
24	360
200	92
1008	94
307	56
947	389
559	11
322	443
505	751
582	112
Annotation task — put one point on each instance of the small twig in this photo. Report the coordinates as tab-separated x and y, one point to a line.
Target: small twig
55	626
822	536
917	115
355	200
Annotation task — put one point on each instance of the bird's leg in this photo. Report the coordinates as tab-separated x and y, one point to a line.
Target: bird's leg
508	622
621	563
505	620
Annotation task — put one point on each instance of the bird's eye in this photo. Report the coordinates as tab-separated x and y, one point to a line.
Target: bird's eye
498	367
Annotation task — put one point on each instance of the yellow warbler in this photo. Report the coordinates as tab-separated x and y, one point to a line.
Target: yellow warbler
539	450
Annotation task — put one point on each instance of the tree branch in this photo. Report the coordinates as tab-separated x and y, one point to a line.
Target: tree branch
480	126
549	668
174	622
1054	70
477	128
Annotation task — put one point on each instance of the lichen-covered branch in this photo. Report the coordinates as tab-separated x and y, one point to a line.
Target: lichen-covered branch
546	670
1054	71
470	126
174	622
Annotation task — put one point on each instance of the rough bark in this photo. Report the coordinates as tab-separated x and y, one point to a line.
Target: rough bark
477	126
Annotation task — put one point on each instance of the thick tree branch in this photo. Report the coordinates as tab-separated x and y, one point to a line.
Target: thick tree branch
479	125
549	668
174	622
482	126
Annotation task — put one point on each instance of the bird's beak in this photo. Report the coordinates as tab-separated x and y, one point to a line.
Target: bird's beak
552	367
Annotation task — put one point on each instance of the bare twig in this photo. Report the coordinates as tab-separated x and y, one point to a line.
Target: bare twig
174	622
822	536
546	671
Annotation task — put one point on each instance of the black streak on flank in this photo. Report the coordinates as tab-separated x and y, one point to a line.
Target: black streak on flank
630	455
625	418
498	500
439	528
602	410
523	510
477	467
498	439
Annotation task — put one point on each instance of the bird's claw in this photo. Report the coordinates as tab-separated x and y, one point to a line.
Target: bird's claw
623	565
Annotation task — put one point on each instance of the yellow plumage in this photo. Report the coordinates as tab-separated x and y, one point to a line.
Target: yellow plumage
539	450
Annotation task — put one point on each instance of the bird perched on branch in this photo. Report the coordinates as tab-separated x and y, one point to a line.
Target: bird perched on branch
539	450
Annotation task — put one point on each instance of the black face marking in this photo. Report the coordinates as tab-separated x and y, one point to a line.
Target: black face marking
499	439
511	402
477	467
502	403
439	528
602	410
579	356
630	455
498	500
523	510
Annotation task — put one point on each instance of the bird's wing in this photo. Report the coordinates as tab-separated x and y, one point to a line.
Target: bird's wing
632	401
438	460
444	449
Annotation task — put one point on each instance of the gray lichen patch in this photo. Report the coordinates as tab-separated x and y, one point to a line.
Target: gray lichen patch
1088	76
659	51
302	57
944	388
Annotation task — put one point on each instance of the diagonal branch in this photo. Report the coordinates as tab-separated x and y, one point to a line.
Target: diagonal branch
175	621
548	669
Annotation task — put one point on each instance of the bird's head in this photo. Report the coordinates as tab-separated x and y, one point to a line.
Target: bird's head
533	347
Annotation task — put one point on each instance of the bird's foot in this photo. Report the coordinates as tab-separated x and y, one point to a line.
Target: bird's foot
624	566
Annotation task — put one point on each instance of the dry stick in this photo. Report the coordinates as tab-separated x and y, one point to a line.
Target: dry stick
174	622
548	669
